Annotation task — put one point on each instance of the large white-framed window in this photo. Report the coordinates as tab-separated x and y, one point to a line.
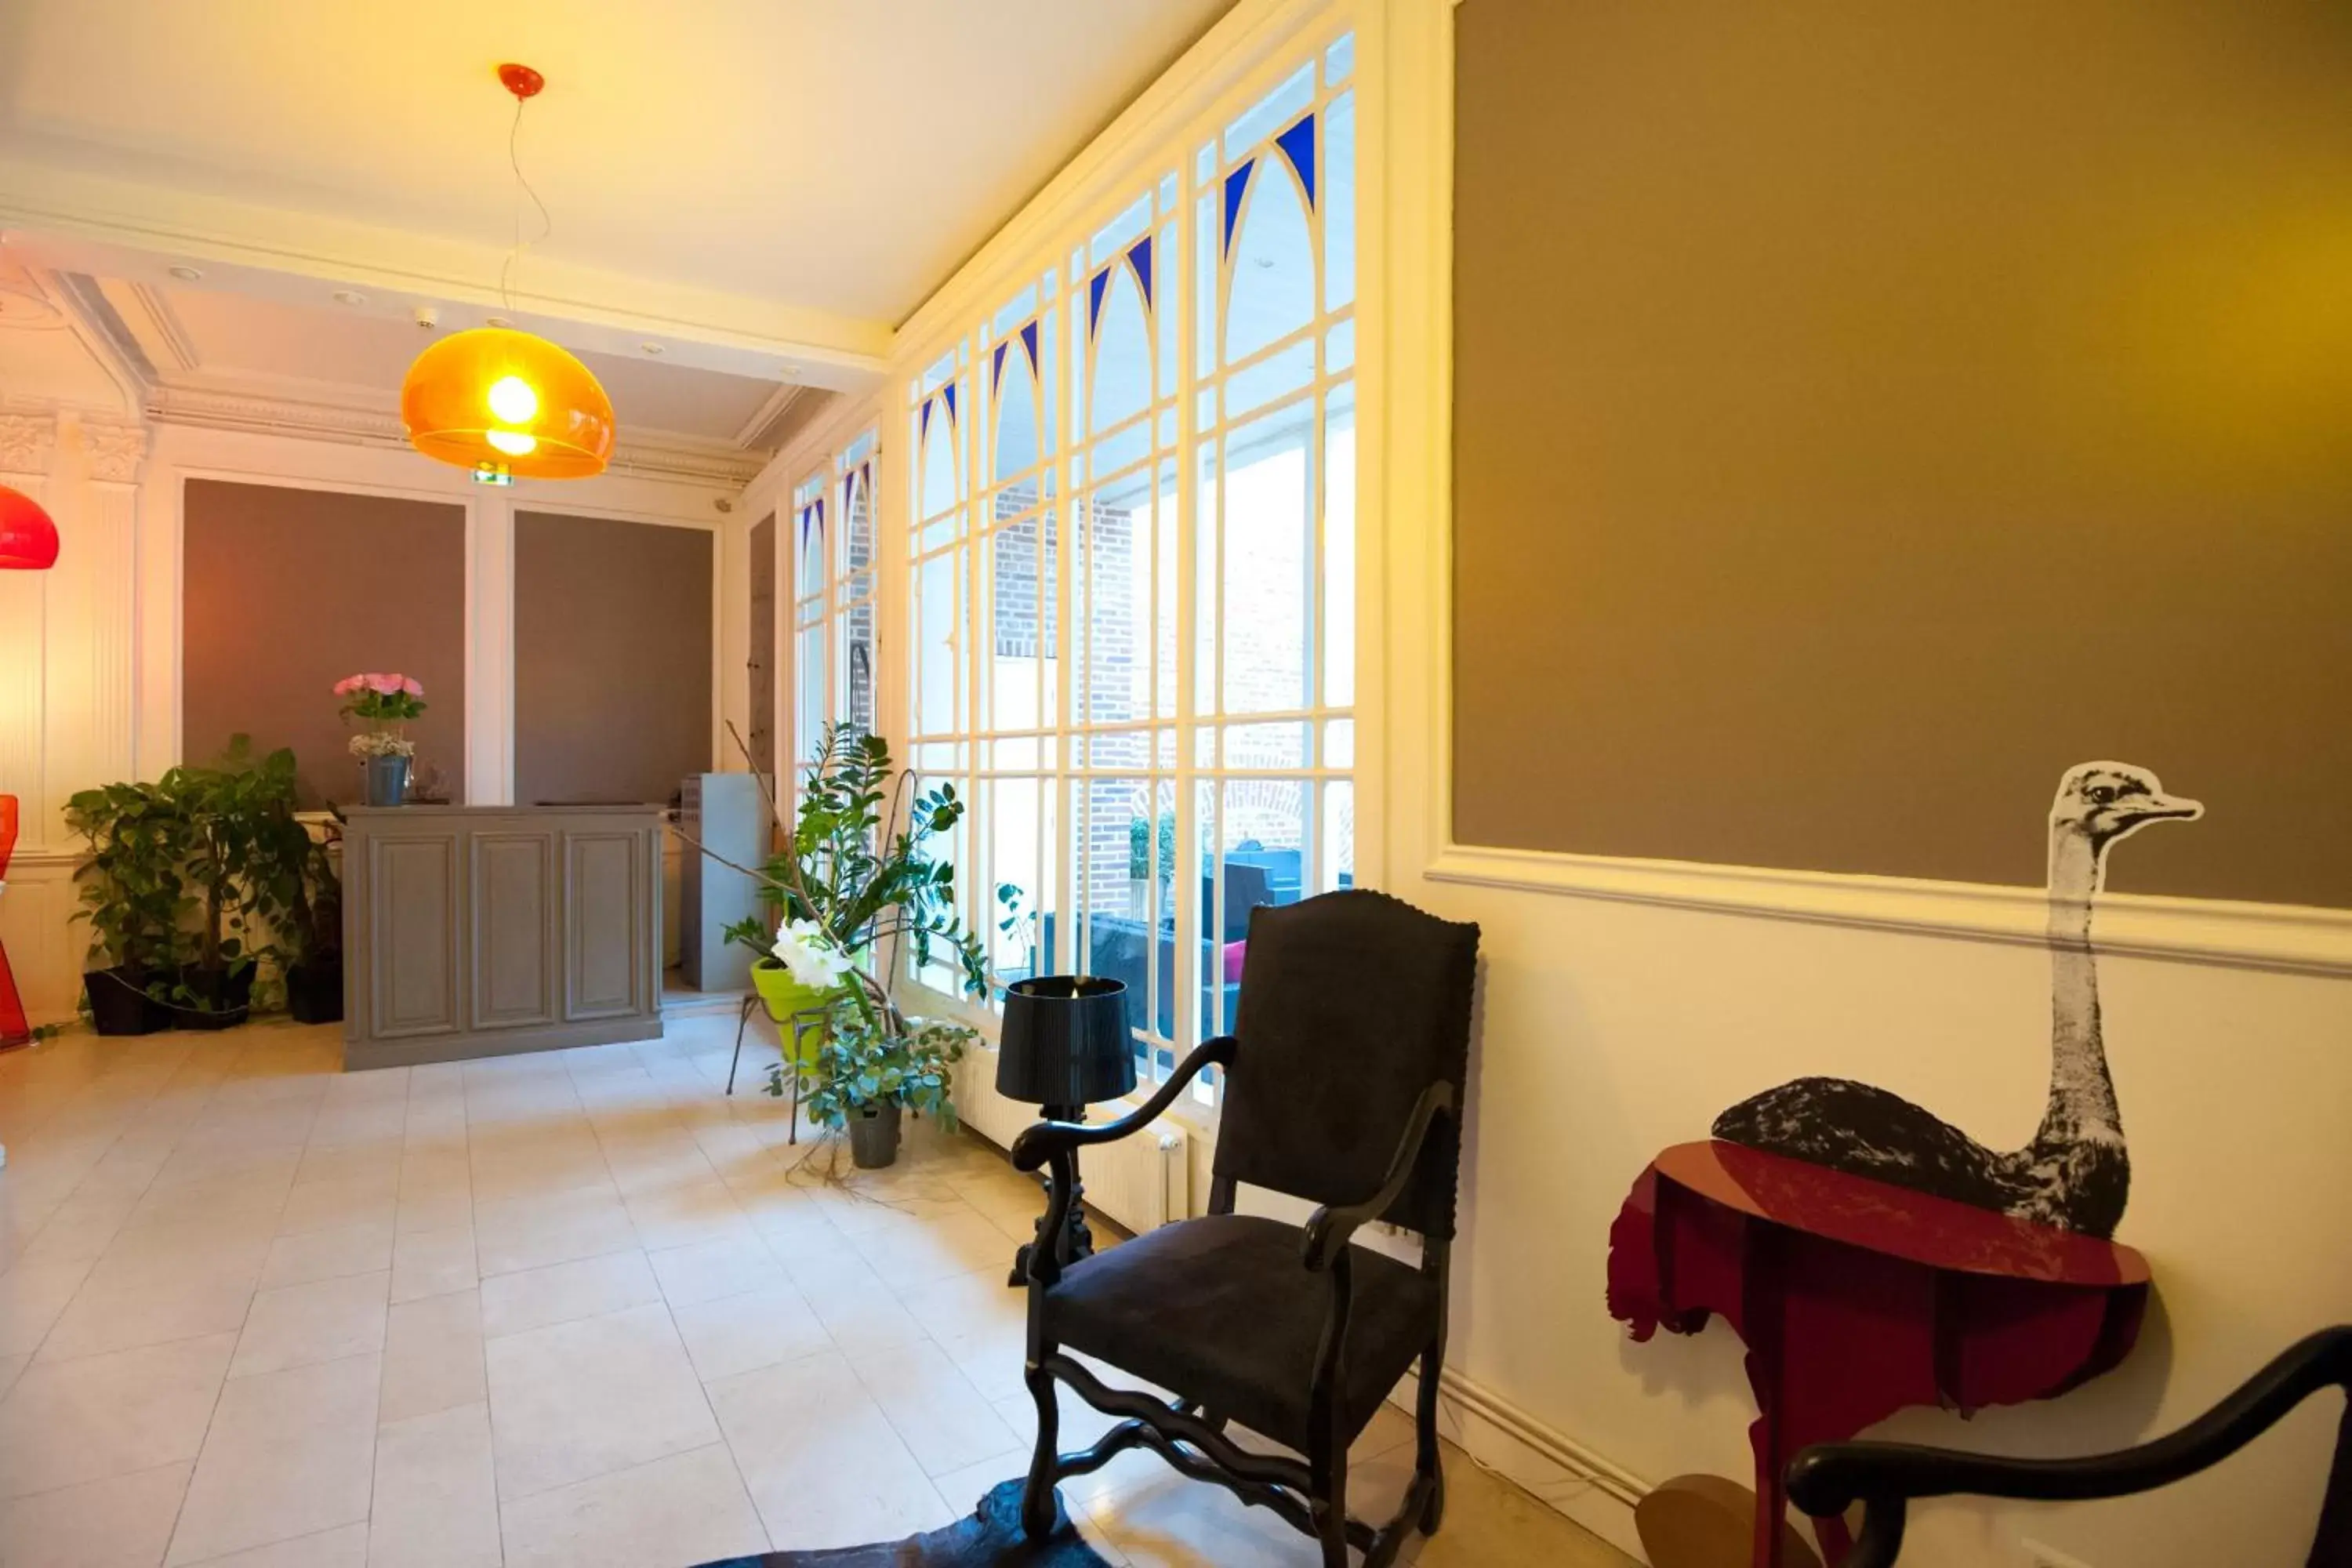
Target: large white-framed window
1130	562
834	615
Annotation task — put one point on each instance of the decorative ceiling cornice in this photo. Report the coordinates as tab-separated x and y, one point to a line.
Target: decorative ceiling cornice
664	457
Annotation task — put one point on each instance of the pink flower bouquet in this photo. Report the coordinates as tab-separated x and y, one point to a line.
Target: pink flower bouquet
378	698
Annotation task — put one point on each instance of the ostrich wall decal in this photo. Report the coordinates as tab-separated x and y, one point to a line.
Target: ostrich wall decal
2075	1173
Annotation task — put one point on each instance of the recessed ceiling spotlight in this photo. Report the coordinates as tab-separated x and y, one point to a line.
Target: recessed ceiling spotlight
187	274
499	321
351	296
792	370
653	348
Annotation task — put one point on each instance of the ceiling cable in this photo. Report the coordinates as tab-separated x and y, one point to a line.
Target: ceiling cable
523	188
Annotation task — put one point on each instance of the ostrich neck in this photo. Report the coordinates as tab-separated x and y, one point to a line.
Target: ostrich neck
2081	1095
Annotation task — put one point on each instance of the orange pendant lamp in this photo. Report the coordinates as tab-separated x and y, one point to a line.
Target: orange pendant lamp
503	402
28	537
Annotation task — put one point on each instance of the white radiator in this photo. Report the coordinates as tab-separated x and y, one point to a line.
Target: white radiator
1141	1181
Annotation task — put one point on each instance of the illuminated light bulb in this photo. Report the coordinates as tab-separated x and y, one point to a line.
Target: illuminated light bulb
513	443
513	400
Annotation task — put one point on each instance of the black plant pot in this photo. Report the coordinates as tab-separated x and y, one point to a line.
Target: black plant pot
874	1136
227	998
118	1002
314	991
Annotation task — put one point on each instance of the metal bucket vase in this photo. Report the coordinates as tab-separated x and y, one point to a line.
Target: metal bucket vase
387	780
873	1137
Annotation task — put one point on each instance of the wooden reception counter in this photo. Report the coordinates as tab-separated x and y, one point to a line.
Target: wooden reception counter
484	930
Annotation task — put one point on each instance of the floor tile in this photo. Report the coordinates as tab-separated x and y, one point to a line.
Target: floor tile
124	1522
712	1269
861	1313
33	1295
648	1159
688	1508
825	1466
585	1288
580	1399
943	1419
871	1390
745	1332
344	1547
326	1319
432	1356
434	1262
110	1415
531	1232
906	1252
699	1212
435	1503
982	1323
290	1453
97	1322
360	1249
346	1200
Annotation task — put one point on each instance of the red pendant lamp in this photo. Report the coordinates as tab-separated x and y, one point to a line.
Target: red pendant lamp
502	402
28	538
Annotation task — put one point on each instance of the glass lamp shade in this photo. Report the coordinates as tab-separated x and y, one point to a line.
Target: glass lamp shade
1065	1041
506	398
28	538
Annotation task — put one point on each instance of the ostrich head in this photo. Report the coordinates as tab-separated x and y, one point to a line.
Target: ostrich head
2107	801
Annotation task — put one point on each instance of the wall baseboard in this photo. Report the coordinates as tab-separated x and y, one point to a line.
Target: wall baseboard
1594	1492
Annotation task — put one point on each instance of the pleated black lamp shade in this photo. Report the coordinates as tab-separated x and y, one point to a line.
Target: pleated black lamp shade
1065	1041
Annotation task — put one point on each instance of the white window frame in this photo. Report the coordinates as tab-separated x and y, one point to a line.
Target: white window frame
1253	51
849	475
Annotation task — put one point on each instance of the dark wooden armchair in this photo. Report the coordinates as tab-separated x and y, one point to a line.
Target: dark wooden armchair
1830	1477
1343	1085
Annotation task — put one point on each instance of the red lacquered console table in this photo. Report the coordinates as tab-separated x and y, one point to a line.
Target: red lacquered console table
1856	1298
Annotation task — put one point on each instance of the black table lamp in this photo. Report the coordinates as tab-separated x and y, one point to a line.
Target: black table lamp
1064	1045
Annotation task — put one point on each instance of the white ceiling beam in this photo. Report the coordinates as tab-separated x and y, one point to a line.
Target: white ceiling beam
758	335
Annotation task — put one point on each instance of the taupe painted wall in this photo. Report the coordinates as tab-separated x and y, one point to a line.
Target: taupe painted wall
1862	413
612	658
285	592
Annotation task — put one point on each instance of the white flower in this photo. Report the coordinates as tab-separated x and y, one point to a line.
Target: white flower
803	947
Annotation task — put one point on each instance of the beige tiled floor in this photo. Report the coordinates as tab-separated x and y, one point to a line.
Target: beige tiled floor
570	1309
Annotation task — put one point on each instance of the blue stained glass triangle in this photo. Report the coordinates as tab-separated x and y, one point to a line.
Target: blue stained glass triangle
1236	184
1029	341
947	396
923	424
1140	257
1297	144
1100	281
996	368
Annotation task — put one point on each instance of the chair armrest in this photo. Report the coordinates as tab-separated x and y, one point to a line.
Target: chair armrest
1829	1477
1041	1142
1331	1225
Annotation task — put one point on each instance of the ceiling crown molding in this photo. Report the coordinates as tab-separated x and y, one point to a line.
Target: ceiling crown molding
658	455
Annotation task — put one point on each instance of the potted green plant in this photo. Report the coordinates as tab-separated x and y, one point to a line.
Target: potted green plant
296	884
133	896
230	810
854	880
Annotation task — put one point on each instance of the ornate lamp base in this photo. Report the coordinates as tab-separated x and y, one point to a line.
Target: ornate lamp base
1077	1240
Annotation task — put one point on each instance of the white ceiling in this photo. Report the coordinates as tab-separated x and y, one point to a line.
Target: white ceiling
836	156
341	354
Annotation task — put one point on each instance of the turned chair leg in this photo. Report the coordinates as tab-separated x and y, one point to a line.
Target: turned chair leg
1331	1511
1427	1456
1037	1504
